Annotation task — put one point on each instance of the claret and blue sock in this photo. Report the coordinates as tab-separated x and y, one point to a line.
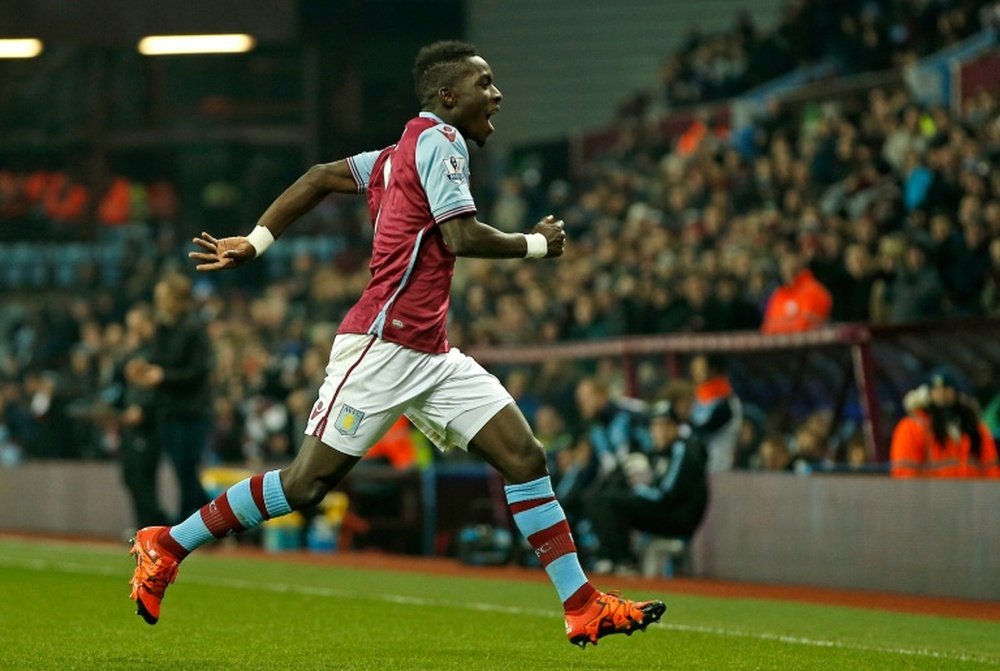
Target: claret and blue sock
541	519
243	506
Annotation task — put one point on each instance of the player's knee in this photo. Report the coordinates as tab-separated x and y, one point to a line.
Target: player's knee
302	490
525	462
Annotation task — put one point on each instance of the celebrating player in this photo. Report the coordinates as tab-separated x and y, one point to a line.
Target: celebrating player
391	355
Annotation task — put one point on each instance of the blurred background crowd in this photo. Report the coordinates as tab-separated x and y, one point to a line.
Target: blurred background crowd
856	36
892	205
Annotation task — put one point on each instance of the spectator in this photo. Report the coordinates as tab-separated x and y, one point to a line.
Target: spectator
716	414
517	383
140	449
916	292
550	429
969	270
693	310
574	470
942	435
666	493
11	453
48	418
991	289
905	141
396	447
800	303
856	454
615	428
943	192
807	450
732	310
751	434
178	369
774	454
853	297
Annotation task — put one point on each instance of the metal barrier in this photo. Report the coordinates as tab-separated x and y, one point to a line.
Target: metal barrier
868	365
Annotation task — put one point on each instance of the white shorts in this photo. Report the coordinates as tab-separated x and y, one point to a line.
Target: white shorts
371	382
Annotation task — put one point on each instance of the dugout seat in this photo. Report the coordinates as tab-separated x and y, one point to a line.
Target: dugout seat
662	556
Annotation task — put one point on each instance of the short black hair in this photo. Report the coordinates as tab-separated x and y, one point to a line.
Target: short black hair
437	65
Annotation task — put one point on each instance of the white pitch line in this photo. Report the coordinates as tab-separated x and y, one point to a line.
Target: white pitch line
401	599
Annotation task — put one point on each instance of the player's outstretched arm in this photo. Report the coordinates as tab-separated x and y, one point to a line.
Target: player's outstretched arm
306	193
466	236
308	190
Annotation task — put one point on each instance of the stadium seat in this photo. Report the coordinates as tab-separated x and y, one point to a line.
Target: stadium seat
662	556
25	265
66	260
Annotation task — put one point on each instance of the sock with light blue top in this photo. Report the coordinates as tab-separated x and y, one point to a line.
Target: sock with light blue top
243	506
541	519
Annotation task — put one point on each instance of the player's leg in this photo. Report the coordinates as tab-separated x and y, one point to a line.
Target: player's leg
316	469
337	436
468	408
507	443
159	550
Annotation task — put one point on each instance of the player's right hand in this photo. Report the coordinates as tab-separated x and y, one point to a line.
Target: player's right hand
222	254
555	235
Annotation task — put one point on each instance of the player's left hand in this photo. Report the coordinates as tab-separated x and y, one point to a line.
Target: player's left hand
222	254
555	235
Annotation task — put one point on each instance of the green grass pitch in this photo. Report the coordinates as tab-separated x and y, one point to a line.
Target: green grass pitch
66	606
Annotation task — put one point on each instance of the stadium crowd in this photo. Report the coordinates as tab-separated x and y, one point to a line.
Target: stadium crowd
56	204
893	208
853	36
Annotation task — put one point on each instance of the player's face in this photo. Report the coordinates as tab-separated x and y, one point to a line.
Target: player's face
476	99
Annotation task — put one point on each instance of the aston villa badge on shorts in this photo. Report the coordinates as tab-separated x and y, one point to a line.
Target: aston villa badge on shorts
348	419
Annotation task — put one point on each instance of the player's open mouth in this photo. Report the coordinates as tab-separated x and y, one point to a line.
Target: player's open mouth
489	114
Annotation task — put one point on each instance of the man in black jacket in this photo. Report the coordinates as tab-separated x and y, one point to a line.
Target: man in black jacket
667	494
140	450
178	369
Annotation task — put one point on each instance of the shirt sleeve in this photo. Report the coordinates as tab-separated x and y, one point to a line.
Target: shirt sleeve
361	168
443	164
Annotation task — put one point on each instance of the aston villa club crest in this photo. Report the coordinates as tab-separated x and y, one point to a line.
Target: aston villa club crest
348	419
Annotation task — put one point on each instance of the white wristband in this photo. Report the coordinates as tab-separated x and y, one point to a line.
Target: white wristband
538	246
261	238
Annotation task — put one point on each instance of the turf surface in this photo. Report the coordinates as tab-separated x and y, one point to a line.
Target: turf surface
66	606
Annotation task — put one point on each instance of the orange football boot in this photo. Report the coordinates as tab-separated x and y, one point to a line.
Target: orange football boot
154	570
608	613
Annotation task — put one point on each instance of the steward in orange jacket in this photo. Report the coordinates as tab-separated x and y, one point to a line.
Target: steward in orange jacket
942	441
800	303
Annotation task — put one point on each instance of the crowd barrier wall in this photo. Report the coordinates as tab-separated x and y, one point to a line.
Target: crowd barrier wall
76	498
920	536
